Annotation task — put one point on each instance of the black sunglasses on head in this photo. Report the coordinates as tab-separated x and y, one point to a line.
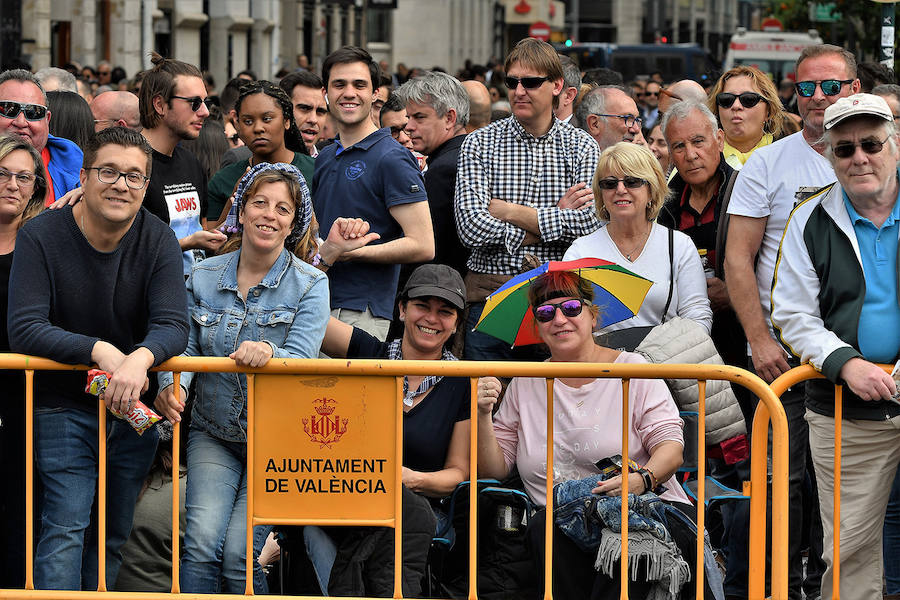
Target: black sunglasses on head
545	312
847	150
529	83
830	87
10	109
195	101
748	99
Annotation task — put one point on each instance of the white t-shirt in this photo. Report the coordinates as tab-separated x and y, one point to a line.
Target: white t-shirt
775	179
689	299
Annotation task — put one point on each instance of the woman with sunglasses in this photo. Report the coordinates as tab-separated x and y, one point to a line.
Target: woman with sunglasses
629	191
265	123
749	111
587	428
259	301
23	184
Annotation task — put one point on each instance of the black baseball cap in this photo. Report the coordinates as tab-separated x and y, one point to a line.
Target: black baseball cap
439	281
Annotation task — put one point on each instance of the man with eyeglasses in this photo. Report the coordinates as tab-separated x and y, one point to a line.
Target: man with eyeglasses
774	180
523	186
23	112
173	108
610	115
99	283
652	93
835	305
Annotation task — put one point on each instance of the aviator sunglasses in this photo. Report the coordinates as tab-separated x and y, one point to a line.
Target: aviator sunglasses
529	83
630	182
830	87
747	99
545	312
847	150
33	112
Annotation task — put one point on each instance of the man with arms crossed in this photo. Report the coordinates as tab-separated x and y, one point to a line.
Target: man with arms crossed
99	282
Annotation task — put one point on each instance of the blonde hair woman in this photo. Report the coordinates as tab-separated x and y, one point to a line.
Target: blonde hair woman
629	190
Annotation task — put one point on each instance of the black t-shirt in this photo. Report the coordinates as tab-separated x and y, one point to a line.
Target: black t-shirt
427	426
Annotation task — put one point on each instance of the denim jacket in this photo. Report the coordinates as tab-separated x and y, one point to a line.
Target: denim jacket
289	309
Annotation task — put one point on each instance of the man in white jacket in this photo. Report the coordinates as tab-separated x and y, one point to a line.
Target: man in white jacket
835	305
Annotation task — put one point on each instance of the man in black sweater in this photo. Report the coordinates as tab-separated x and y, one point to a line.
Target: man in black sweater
100	282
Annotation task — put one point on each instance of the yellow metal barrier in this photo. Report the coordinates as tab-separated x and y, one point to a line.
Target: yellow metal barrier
769	409
779	386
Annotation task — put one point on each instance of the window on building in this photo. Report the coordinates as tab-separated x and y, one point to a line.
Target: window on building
378	25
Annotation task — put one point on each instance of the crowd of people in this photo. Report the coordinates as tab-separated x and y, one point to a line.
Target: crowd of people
369	214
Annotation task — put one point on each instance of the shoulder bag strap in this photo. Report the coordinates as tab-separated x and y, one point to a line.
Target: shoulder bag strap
671	272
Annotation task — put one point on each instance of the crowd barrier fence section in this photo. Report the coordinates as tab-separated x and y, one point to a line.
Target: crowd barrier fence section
782	384
282	394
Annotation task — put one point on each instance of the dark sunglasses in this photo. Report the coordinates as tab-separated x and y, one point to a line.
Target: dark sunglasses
611	183
545	312
651	93
233	138
529	83
33	112
748	99
830	87
195	101
849	149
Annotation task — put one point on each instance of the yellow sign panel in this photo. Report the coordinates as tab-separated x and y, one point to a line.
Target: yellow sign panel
324	447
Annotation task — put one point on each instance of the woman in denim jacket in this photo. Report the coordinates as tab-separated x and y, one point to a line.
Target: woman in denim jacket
258	302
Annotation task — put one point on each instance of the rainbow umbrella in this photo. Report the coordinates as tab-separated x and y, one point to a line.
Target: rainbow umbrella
617	291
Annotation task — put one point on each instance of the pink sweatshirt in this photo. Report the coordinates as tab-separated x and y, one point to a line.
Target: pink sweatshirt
587	427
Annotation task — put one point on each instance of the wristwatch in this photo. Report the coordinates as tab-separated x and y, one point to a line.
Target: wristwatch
648	479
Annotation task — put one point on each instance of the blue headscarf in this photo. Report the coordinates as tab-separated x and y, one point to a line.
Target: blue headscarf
304	210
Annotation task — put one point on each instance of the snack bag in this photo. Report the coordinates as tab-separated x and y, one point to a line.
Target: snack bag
141	417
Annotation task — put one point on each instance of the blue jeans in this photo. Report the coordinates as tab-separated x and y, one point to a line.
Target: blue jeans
216	519
891	540
66	454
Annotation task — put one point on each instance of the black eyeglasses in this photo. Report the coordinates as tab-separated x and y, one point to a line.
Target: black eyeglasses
830	87
630	120
651	93
233	138
849	149
195	101
546	312
529	83
33	112
25	180
748	99
611	183
110	176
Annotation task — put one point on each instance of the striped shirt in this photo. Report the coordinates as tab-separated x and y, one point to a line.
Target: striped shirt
504	161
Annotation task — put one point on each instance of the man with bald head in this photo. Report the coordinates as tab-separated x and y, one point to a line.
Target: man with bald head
116	108
479	105
685	89
610	115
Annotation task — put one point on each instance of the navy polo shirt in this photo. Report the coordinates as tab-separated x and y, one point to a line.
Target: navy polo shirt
364	181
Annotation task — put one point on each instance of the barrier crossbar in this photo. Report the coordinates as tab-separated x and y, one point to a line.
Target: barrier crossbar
769	410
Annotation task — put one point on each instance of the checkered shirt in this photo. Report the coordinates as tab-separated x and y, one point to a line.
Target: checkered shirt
504	161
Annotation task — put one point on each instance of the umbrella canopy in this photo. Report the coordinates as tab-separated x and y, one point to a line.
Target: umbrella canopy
617	291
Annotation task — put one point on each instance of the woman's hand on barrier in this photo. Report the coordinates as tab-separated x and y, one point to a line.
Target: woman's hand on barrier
489	389
868	380
252	354
168	405
613	486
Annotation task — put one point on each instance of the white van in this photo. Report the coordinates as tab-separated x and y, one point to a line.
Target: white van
772	52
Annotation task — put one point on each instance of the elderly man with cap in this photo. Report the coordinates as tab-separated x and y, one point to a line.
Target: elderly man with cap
835	305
